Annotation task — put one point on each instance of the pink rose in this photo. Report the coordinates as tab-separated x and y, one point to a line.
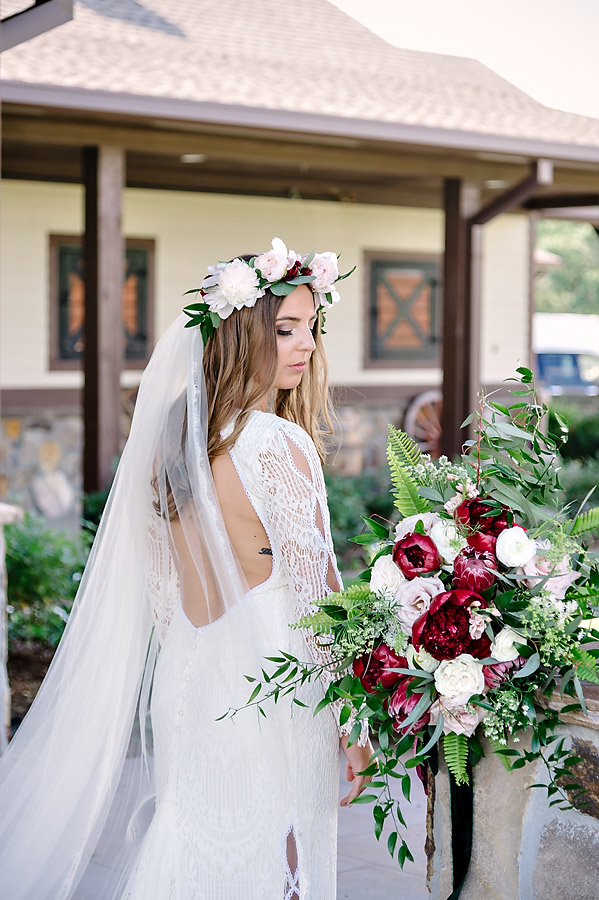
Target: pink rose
459	716
407	525
558	582
414	598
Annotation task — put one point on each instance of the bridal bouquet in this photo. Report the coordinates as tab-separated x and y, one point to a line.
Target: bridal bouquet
475	608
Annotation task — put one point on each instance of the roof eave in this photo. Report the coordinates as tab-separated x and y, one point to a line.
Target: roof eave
147	106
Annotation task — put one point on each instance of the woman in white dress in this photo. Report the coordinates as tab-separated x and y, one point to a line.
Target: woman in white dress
216	539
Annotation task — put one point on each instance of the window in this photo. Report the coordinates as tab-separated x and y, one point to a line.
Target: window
67	302
403	327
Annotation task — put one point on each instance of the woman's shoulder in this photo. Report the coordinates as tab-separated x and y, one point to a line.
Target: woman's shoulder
263	429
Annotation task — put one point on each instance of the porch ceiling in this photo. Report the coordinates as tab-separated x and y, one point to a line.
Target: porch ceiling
45	144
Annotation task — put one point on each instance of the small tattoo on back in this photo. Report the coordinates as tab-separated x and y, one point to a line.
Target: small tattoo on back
265	551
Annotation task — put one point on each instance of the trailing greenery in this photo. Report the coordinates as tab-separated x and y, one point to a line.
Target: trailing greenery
44	568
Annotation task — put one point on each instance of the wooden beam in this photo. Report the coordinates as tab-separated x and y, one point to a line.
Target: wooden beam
562	201
104	178
541	174
38	18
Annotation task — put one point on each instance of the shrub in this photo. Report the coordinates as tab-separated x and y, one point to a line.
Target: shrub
44	568
577	478
349	498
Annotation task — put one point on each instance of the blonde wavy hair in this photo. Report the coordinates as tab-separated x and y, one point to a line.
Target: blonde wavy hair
240	365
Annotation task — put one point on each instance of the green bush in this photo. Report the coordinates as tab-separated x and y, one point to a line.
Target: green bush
44	568
577	478
349	498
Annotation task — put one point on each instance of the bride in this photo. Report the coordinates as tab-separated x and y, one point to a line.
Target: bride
125	781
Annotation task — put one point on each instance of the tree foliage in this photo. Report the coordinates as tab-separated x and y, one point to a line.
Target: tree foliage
572	287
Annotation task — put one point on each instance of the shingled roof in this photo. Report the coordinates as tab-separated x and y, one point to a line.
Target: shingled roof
279	55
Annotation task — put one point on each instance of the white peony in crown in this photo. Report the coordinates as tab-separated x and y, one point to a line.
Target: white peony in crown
232	285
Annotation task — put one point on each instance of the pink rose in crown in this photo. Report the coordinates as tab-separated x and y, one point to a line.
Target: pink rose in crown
401	705
373	668
474	570
444	629
416	554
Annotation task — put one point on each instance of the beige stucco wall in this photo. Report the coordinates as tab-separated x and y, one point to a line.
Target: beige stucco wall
193	230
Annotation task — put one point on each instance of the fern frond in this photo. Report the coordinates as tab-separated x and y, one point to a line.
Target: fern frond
586	666
588	521
405	450
407	499
455	747
496	746
320	621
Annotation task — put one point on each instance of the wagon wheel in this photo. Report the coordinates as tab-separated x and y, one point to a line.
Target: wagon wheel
422	421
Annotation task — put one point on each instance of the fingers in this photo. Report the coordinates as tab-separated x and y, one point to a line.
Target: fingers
359	784
349	772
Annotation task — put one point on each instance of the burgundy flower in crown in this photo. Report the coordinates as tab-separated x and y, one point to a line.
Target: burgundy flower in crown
478	515
373	668
401	705
474	570
416	554
445	629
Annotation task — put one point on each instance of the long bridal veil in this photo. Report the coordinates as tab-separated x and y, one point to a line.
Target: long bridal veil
76	783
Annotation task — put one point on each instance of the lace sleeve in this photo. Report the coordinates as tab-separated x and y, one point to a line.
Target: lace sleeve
162	582
298	521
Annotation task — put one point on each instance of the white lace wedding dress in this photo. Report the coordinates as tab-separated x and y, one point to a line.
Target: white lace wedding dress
230	792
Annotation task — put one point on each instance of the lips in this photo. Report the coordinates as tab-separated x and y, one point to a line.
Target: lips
299	367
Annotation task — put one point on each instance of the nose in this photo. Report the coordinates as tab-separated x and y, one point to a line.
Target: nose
307	339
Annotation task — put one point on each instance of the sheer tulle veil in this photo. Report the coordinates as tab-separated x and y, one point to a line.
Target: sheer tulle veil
76	783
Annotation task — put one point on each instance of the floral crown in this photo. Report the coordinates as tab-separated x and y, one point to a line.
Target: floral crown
231	285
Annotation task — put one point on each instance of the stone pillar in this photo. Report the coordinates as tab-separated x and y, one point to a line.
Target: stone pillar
8	516
522	848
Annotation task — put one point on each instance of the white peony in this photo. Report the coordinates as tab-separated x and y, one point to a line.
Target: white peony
272	265
514	547
230	286
325	270
386	576
447	539
462	676
414	598
503	648
422	657
459	716
429	520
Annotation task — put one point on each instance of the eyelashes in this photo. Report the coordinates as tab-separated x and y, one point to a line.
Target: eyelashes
282	333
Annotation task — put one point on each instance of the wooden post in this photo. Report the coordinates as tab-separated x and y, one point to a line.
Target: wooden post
104	177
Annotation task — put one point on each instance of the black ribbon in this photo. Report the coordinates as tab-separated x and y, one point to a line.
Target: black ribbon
461	798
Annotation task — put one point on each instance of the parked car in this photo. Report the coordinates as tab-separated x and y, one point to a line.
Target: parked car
566	353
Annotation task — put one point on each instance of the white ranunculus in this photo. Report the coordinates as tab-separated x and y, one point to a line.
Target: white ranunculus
459	716
460	676
414	598
503	648
514	547
422	657
386	576
407	525
231	286
447	539
323	299
325	270
272	265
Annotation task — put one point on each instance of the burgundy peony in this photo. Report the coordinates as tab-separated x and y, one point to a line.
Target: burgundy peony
416	554
485	543
444	629
401	705
474	570
373	668
481	516
497	673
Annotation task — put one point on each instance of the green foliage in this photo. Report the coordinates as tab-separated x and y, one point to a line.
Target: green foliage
455	747
574	285
349	498
322	622
93	507
577	479
403	455
583	439
44	568
588	521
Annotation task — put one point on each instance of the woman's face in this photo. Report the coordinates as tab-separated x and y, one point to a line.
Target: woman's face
295	341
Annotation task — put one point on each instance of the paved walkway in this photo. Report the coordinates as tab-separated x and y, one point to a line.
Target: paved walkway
365	869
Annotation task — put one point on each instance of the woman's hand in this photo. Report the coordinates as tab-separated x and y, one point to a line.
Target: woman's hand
358	759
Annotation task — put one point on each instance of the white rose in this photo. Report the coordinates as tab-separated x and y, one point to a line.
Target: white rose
272	265
325	270
514	547
422	657
447	539
459	716
386	576
460	676
503	648
414	598
429	520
